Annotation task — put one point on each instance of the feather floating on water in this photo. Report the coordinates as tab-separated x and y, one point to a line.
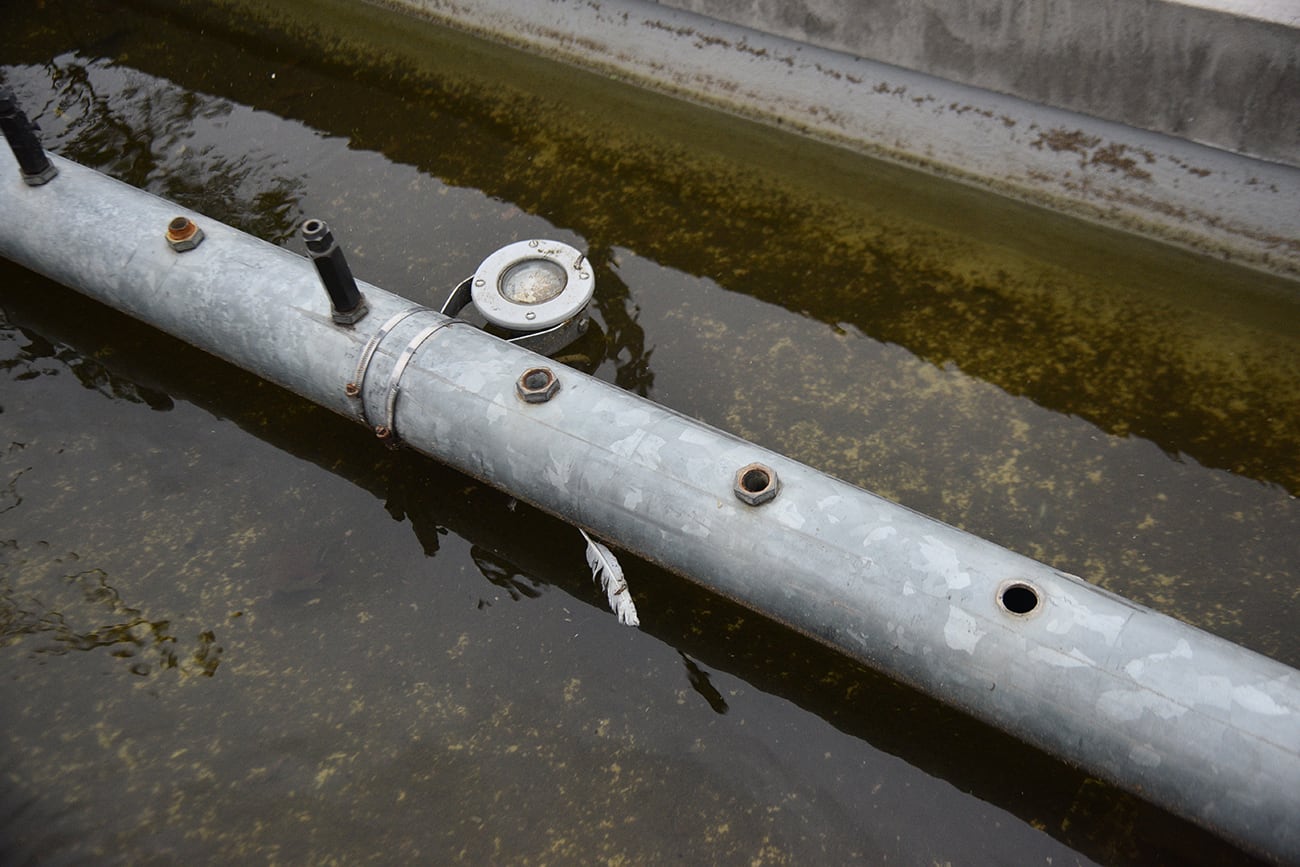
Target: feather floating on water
605	569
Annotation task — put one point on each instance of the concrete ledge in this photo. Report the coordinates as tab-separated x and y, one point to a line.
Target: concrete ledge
1203	198
1220	72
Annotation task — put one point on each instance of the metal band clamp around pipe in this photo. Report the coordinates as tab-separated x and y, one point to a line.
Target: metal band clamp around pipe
356	387
388	431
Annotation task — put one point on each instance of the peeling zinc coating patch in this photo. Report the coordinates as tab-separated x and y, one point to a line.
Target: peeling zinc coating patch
632	418
828	503
632	499
788	514
1126	705
879	534
607	405
497	409
695	437
558	470
1144	755
1257	701
1050	656
1069	613
1166	672
696	529
901	640
698	468
942	561
1214	690
1137	667
640	446
471	379
961	631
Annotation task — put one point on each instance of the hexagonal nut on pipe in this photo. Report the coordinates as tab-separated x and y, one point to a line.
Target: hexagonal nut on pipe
537	385
756	484
183	234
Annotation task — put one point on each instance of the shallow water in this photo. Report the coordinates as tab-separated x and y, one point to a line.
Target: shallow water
233	625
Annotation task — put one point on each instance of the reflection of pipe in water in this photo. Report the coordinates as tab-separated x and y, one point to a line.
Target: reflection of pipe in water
1194	723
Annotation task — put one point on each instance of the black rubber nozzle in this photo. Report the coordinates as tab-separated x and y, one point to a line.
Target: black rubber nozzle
345	298
21	135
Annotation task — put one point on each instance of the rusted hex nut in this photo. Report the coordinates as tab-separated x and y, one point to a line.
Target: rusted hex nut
183	234
537	385
386	435
756	484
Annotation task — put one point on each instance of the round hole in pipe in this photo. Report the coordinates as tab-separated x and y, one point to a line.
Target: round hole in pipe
755	480
311	227
1018	598
537	379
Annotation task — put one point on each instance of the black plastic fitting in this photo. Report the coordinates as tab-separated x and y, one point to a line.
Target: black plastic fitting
346	301
21	135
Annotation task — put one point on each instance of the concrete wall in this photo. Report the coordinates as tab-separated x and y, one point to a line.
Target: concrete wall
1209	199
1220	72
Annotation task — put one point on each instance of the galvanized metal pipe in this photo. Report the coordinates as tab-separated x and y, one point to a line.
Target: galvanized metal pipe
1205	728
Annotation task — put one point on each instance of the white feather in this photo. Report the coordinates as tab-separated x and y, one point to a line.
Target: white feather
605	569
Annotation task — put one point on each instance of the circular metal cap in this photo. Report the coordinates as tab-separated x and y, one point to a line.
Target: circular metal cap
532	285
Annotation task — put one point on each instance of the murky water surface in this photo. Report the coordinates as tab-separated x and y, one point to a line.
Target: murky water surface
232	626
